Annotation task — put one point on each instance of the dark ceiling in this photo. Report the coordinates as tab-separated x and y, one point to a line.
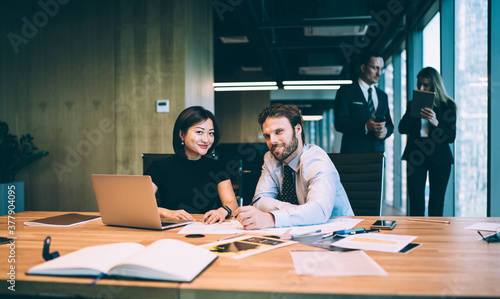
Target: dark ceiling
288	37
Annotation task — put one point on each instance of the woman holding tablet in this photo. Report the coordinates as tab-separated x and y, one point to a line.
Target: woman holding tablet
427	148
189	182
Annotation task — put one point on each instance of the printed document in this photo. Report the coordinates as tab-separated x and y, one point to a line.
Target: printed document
486	226
333	263
375	241
234	227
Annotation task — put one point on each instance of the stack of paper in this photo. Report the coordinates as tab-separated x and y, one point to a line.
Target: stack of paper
332	263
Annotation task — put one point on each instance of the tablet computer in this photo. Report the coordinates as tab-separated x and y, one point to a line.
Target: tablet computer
421	99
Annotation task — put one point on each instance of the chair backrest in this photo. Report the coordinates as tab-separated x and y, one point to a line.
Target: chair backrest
147	159
250	157
362	176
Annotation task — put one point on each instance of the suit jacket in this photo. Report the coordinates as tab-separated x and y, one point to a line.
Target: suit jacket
436	146
351	115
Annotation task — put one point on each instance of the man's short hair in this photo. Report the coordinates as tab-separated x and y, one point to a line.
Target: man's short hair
291	112
365	57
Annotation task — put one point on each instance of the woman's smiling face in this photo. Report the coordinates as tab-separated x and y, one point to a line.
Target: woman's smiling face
198	139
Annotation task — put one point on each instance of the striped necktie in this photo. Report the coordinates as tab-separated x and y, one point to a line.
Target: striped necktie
371	107
288	194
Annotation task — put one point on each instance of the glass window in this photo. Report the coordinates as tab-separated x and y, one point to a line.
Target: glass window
431	43
431	36
403	136
471	96
389	142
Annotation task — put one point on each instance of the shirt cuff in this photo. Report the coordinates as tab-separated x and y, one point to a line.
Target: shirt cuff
281	218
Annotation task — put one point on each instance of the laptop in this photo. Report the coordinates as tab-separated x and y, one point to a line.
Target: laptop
129	200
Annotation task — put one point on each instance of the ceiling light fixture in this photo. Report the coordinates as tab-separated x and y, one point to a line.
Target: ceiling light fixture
312	117
251	68
325	70
310	87
245	88
239	39
317	82
226	84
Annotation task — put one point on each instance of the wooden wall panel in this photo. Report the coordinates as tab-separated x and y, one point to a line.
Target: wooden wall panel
13	71
156	48
199	54
85	86
145	73
238	112
71	73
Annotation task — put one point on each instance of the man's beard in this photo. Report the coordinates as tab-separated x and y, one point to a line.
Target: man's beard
289	148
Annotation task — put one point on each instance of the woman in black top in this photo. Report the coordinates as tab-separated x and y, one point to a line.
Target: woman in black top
427	148
189	182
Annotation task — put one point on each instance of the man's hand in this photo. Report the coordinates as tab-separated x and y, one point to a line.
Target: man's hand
253	218
374	126
381	134
174	214
378	128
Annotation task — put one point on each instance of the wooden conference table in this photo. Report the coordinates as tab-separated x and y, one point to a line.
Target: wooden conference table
452	262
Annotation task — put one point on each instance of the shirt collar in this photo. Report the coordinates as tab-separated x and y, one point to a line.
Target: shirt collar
294	164
364	86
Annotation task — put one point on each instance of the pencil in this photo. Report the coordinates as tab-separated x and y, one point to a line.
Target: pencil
431	220
304	234
233	236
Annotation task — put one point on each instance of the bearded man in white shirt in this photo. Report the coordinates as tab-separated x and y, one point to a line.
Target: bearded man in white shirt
299	184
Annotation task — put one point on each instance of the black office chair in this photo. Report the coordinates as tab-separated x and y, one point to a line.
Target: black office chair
147	159
362	176
250	157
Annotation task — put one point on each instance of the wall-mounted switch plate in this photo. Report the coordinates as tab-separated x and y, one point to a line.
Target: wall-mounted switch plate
162	106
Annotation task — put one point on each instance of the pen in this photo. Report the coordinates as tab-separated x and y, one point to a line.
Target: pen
346	232
233	236
300	235
376	230
255	201
349	231
328	235
431	220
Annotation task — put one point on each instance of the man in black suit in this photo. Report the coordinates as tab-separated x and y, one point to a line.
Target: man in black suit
362	110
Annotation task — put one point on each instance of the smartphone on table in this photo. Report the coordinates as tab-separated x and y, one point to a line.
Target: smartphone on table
383	224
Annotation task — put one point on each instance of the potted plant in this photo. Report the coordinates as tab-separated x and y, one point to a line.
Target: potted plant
14	155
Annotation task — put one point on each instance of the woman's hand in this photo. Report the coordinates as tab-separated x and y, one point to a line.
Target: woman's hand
174	214
215	216
429	114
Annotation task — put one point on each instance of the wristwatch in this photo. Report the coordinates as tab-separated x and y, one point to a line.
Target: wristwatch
229	211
